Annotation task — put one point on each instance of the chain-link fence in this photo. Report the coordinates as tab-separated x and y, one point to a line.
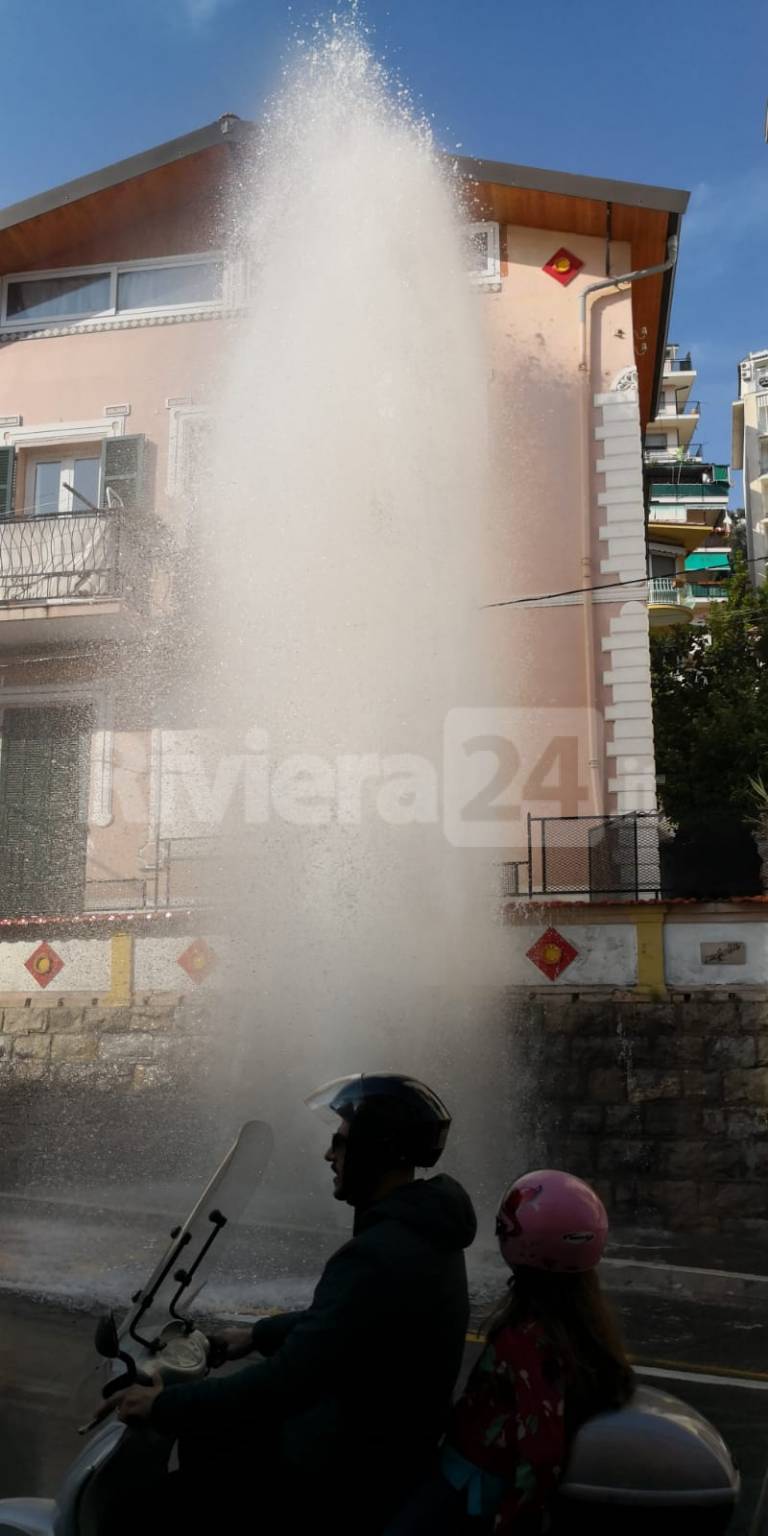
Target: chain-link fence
589	856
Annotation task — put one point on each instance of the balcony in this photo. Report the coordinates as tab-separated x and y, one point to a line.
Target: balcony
673	601
667	603
70	576
682	415
692	454
679	490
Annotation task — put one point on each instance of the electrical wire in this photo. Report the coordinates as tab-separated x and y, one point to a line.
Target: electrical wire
605	586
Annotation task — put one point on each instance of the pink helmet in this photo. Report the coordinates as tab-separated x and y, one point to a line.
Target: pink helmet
550	1220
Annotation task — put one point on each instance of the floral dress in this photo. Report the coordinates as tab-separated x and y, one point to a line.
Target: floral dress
506	1444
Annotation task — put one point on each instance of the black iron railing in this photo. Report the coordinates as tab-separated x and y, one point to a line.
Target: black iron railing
588	856
67	556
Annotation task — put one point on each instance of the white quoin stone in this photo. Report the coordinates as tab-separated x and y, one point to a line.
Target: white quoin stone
621	494
619	444
620	461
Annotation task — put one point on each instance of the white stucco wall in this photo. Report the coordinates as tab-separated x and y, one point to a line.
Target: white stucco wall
156	964
86	968
682	954
607	955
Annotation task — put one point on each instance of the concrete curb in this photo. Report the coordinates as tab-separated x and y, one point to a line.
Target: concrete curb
682	1280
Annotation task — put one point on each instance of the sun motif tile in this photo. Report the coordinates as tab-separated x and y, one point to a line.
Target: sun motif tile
43	964
552	954
198	960
563	266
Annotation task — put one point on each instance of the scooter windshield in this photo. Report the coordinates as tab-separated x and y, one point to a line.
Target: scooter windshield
197	1244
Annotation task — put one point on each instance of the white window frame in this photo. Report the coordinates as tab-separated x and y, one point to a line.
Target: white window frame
761	400
492	274
113	270
52	456
180	415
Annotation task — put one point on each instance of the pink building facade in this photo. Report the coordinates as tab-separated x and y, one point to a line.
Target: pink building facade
117	300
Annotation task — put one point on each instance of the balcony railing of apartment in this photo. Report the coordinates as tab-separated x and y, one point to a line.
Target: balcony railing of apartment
68	556
666	591
677	490
692	454
680	408
680	364
589	856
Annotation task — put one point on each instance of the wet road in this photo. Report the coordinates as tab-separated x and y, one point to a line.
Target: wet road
45	1351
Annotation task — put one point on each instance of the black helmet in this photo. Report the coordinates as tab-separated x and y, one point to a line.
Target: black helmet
394	1121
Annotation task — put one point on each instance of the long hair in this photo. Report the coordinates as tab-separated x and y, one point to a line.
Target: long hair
583	1332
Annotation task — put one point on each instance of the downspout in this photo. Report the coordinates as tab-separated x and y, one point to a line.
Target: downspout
585	438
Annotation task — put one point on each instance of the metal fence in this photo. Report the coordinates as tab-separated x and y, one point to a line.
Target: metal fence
588	856
73	555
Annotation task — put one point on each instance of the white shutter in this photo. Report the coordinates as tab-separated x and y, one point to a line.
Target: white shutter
483	249
762	415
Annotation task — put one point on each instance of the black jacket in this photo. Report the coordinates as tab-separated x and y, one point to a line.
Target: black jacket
359	1384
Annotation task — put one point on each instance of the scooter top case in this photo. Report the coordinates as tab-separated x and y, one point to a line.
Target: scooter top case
655	1466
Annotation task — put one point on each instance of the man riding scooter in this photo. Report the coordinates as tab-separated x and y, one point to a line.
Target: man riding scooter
354	1391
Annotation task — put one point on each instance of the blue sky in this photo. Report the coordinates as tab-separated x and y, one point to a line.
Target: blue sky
661	91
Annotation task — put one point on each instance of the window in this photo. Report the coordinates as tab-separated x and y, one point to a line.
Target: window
137	287
762	415
663	566
63	485
168	287
74	480
50	298
655	439
482	246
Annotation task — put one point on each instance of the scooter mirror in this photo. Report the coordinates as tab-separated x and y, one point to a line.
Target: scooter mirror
106	1340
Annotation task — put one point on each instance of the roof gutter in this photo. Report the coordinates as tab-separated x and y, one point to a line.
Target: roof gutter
614	282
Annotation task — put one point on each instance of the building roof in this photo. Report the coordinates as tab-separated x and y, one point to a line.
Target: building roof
631	194
229	128
238	130
644	217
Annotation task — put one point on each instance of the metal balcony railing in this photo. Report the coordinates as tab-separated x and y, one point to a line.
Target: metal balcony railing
67	556
669	592
665	589
693	453
680	408
679	364
710	490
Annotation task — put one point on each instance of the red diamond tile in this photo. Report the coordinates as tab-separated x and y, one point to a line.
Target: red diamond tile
563	266
552	954
44	964
198	960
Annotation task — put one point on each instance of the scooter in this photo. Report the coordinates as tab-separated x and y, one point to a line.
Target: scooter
157	1340
653	1468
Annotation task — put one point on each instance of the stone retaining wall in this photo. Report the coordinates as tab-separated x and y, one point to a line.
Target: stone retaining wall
142	1045
663	1105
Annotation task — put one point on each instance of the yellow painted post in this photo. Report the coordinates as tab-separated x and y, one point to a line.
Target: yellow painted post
121	988
649	925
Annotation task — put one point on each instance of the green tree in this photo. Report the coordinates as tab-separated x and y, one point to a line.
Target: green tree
710	708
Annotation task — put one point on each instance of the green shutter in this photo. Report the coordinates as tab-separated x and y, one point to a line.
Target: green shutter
7	466
122	470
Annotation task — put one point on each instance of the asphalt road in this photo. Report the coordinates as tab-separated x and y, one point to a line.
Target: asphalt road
45	1352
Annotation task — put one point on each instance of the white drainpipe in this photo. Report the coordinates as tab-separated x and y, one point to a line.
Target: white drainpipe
595	759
